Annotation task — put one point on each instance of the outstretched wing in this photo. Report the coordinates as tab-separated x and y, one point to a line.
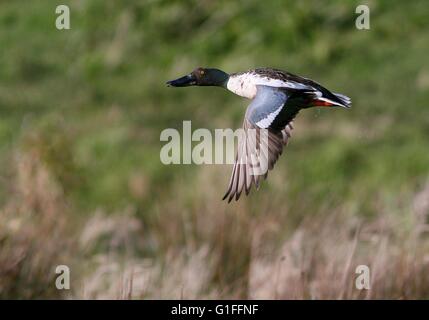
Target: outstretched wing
267	129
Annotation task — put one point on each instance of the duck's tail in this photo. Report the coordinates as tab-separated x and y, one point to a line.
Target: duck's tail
328	99
344	99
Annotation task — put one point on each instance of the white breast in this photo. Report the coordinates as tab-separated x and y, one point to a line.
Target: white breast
242	85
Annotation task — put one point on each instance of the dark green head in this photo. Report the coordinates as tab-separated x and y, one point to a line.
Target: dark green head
202	77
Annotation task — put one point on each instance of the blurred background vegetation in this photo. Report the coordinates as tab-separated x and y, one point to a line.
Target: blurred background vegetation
81	182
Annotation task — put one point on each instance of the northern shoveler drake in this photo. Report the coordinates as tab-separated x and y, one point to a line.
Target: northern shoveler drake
277	97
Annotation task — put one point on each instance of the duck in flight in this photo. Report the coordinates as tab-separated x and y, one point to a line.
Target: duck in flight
277	97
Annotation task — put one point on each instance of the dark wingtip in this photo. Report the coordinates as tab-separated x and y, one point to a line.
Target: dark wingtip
224	197
231	196
237	195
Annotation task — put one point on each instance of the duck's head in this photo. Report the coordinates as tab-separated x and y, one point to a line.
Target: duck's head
201	77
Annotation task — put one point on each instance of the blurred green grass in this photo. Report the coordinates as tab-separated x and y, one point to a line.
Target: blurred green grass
92	100
104	79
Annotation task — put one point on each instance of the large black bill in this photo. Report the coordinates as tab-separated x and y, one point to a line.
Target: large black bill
185	81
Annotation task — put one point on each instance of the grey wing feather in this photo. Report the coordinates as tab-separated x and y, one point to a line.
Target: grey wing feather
258	147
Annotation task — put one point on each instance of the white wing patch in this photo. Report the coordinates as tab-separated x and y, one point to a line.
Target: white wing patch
266	122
